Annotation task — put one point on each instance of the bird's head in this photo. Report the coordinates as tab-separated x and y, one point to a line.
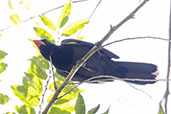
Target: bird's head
45	47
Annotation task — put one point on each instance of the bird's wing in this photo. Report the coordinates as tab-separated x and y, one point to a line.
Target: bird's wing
83	43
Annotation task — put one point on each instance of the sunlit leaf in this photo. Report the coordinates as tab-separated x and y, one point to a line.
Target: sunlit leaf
18	93
161	111
40	61
80	38
2	54
3	99
64	15
25	109
34	79
48	22
0	35
74	27
10	4
43	34
80	105
55	110
33	101
94	110
107	111
2	67
38	71
32	91
15	19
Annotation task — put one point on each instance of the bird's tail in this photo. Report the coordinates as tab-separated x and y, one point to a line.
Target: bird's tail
138	73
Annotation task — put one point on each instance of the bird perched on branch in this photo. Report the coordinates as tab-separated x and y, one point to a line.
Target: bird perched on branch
66	55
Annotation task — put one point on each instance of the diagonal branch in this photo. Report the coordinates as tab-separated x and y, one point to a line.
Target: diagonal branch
87	56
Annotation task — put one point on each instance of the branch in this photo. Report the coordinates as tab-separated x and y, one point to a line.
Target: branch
167	92
30	18
137	38
87	56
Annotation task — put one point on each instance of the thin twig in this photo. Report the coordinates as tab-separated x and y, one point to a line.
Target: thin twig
90	16
167	92
87	56
137	38
46	87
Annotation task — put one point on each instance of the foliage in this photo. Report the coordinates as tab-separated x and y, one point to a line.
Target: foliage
3	99
161	111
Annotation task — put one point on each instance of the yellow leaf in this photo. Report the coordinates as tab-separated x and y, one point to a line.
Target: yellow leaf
64	16
10	4
74	27
15	19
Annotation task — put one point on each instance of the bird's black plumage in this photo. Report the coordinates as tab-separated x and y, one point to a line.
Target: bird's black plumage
65	56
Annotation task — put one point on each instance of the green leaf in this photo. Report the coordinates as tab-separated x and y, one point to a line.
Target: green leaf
55	110
64	15
40	61
25	109
80	105
0	35
33	101
15	19
31	78
38	71
18	93
107	111
161	111
94	110
2	67
2	54
39	66
74	27
48	22
3	99
43	34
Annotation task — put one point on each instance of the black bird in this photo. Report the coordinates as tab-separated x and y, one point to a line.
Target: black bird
66	55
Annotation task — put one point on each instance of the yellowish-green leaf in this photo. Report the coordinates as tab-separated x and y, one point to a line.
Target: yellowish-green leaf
107	111
38	71
65	106
32	91
55	110
43	34
3	99
94	110
15	19
18	94
161	111
80	38
10	4
74	27
0	35
25	109
34	101
48	22
2	54
2	67
35	80
64	15
80	105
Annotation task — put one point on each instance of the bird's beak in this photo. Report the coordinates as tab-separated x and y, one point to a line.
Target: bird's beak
38	43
